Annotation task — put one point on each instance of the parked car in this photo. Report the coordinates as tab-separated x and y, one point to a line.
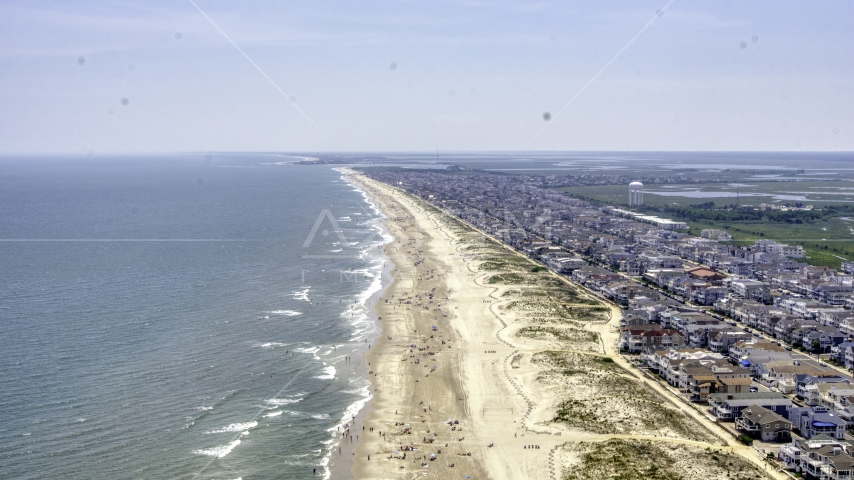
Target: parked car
754	389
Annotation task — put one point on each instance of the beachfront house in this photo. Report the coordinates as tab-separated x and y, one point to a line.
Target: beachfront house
812	421
764	424
728	406
821	457
637	340
702	380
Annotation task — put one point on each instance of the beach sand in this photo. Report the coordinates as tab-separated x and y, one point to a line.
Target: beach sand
479	353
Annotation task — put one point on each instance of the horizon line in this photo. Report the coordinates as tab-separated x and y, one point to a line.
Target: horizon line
431	153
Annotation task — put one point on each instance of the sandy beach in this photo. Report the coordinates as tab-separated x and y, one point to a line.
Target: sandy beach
489	366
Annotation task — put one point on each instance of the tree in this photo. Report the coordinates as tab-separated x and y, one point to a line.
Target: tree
816	345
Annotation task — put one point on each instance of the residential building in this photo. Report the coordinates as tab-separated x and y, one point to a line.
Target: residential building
728	406
764	424
812	421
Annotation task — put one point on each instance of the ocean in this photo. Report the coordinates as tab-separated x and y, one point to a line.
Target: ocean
185	316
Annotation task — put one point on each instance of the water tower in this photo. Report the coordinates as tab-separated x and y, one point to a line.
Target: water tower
635	193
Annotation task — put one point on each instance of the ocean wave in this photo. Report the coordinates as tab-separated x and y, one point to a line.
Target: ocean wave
282	401
328	373
307	349
360	391
204	408
313	351
287	313
352	410
301	295
273	345
308	463
305	459
218	451
236	427
302	415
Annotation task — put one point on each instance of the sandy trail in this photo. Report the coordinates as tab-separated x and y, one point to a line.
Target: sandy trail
473	382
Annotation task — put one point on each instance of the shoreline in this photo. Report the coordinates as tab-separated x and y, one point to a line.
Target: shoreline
338	467
341	469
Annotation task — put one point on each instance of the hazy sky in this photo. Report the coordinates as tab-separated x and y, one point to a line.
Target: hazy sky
157	76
